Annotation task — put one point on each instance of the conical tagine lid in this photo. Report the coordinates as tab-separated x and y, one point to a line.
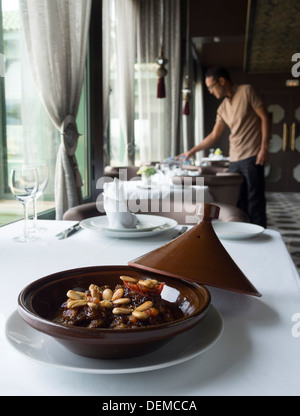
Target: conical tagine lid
198	256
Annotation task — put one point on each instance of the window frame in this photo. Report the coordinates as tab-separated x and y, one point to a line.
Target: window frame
3	146
95	102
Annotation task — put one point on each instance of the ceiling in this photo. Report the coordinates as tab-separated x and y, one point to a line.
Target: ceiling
257	36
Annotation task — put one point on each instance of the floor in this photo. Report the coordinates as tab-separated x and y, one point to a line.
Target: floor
283	212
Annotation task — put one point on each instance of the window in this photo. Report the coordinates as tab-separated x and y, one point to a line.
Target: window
27	135
135	27
145	122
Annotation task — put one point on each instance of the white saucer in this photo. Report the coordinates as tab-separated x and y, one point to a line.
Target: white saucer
45	350
236	230
163	224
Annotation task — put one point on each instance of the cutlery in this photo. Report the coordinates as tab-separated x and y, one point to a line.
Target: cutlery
161	227
69	231
182	231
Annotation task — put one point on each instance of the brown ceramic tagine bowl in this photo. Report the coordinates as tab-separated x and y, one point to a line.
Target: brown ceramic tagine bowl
38	302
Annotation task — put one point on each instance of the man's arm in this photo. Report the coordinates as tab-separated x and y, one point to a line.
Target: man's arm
263	154
209	140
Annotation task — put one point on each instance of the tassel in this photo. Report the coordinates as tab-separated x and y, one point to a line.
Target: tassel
186	109
161	90
186	97
161	72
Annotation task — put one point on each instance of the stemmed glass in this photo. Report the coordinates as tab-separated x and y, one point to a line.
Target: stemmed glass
24	185
42	171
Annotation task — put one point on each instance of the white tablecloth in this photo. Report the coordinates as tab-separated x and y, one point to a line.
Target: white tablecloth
257	354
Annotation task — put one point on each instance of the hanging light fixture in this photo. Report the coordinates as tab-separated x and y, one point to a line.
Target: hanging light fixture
161	71
186	92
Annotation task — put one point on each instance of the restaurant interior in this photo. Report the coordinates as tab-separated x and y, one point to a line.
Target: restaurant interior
96	112
254	40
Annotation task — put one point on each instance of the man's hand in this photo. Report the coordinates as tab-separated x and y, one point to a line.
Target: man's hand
263	154
186	155
262	157
207	143
189	154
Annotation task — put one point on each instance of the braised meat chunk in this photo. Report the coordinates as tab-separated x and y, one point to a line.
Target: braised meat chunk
131	304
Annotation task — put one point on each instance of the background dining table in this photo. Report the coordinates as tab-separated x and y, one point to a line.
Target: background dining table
162	187
257	353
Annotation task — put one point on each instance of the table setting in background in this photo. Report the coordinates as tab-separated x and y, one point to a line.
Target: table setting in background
245	345
120	220
160	182
215	156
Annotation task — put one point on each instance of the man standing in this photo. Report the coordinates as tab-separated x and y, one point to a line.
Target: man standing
244	113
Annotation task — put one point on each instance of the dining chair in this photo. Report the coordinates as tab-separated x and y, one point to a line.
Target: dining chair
114	171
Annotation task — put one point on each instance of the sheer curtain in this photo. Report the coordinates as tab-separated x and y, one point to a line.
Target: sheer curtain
125	14
199	106
106	33
193	124
188	127
159	121
151	127
56	33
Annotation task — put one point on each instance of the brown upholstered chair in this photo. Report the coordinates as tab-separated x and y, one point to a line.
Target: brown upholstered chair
82	212
114	171
224	187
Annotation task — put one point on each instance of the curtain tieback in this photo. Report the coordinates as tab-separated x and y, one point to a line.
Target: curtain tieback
69	137
69	134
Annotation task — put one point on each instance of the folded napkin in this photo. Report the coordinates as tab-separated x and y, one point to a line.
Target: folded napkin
115	205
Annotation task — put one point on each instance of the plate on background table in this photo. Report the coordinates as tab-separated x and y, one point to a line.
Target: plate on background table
43	349
236	230
154	225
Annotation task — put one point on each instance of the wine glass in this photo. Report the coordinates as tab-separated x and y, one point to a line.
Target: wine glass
42	171
24	185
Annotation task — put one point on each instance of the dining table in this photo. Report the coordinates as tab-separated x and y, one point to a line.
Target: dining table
247	346
161	186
